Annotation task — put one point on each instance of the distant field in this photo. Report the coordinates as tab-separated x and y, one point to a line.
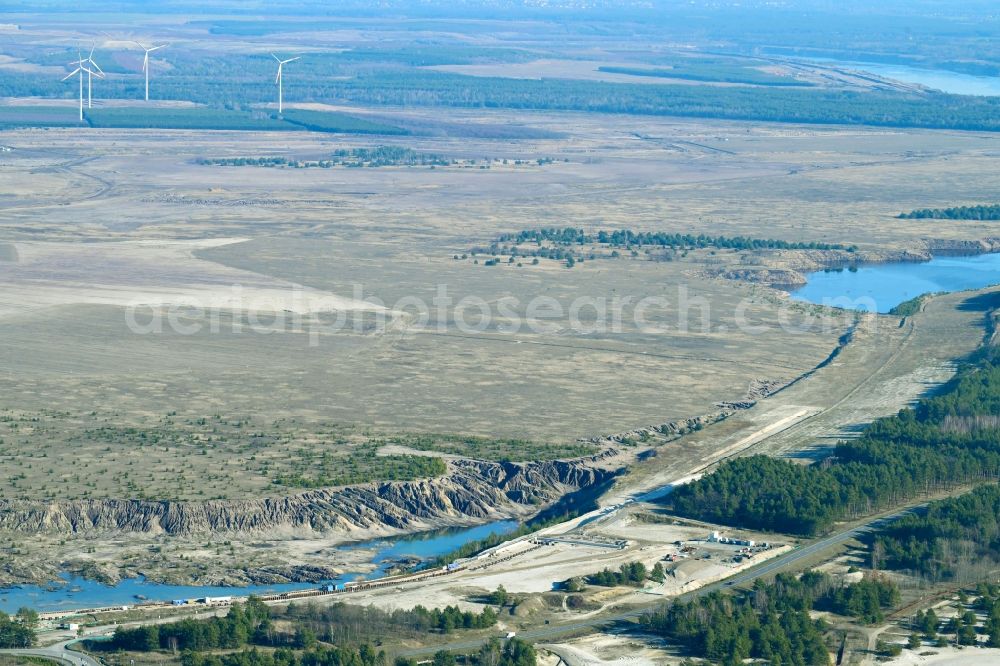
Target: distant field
395	231
333	77
198	118
718	72
38	116
100	454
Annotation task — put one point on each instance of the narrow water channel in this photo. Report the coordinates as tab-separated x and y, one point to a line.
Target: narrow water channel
81	593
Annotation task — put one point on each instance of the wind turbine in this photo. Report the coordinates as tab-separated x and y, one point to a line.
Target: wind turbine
80	69
281	64
89	62
145	62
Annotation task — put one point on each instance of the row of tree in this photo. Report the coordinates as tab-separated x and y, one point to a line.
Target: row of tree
364	655
298	626
991	213
513	652
344	623
630	238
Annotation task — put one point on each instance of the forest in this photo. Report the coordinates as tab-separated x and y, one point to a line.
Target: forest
238	81
18	631
770	622
192	118
950	439
990	213
839	107
953	539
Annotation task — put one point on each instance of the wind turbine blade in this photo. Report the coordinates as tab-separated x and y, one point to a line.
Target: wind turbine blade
145	62
139	45
276	57
278	77
294	59
156	48
71	74
97	67
91	56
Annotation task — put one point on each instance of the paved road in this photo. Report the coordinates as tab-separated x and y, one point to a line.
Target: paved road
775	565
58	652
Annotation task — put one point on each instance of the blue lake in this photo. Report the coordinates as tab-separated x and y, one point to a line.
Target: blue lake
881	287
81	593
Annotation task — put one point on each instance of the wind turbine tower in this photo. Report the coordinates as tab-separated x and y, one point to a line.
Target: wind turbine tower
89	63
145	62
278	80
79	71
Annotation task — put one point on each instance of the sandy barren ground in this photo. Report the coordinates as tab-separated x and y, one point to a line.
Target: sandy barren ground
605	650
950	657
150	274
581	70
98	219
392	232
102	219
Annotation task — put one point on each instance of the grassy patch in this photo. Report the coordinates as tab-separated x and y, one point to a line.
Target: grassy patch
360	466
484	448
22	660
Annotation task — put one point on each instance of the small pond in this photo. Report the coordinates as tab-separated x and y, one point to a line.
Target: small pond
881	287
